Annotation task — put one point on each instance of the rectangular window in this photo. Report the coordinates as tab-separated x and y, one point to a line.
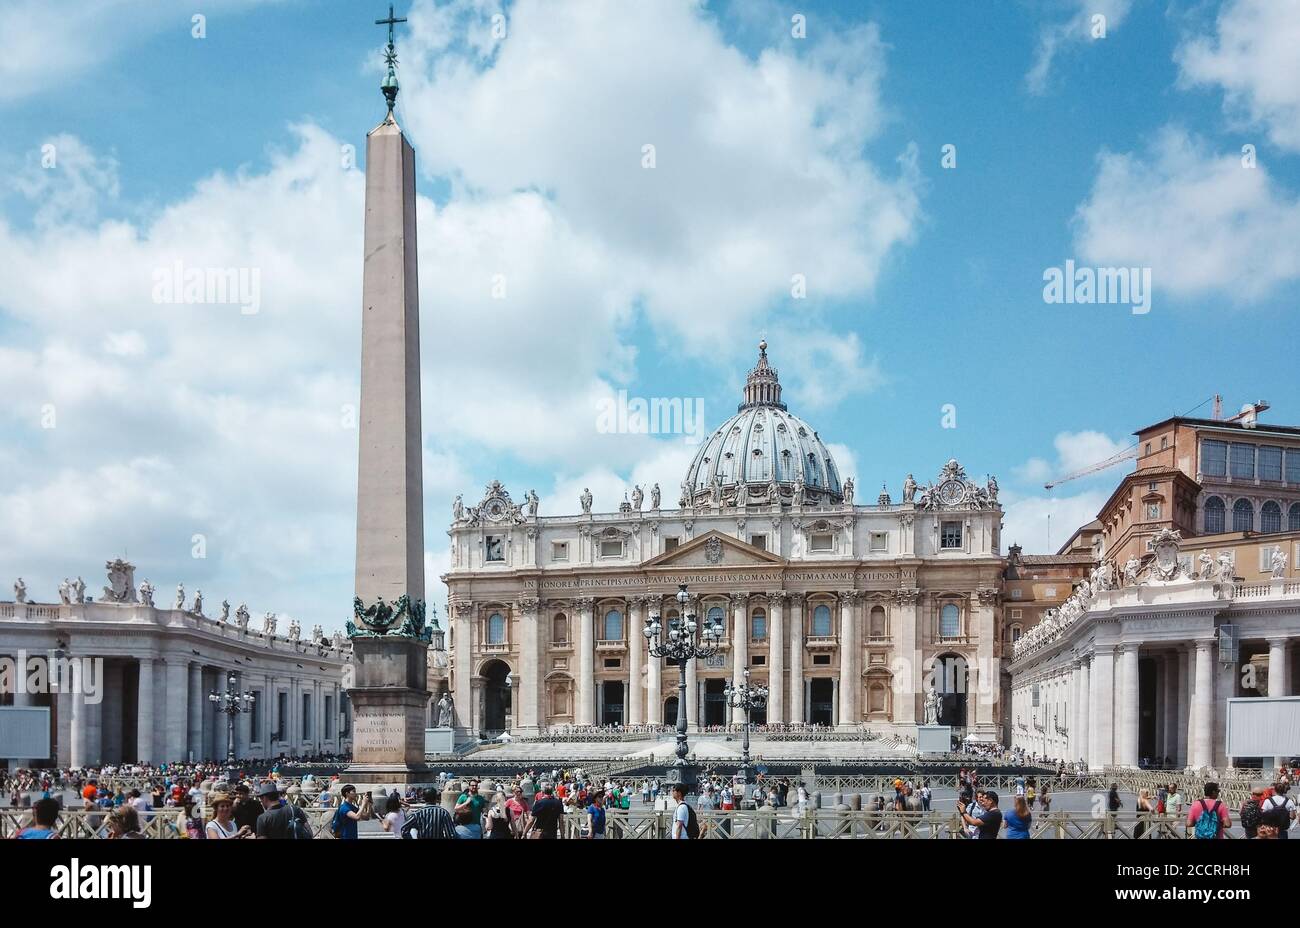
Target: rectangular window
611	547
1015	594
1241	459
1270	463
1293	465
950	535
821	660
823	542
759	660
255	718
559	550
329	717
879	541
306	716
1016	614
282	717
496	548
670	543
1214	458
613	663
758	541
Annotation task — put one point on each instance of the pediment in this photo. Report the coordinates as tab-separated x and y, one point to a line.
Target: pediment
714	549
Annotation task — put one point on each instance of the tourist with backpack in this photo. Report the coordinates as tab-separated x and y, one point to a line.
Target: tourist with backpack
1251	813
686	826
1207	816
1277	810
280	819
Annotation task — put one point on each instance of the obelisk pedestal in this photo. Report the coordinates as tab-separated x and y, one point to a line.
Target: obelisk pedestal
390	641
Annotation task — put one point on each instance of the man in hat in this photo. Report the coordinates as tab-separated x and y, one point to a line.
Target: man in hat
277	818
247	809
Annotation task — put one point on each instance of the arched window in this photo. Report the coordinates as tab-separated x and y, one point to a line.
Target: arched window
1270	518
717	616
1214	516
1015	633
1293	518
949	621
560	629
821	624
758	624
613	625
496	629
877	621
1243	516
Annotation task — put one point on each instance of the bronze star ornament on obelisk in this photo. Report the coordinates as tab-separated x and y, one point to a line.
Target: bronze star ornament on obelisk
389	635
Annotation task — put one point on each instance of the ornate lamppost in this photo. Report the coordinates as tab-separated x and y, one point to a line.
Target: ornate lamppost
746	697
231	703
685	640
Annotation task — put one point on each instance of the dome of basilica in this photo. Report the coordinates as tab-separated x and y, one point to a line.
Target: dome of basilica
762	453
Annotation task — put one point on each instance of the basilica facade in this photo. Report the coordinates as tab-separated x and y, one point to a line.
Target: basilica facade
847	612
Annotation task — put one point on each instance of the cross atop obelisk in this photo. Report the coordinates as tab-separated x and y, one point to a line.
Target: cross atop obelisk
389	86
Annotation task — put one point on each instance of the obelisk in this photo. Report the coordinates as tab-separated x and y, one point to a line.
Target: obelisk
389	638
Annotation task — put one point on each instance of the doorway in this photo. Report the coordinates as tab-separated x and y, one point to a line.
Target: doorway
821	696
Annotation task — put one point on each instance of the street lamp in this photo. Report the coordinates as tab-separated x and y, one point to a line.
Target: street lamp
685	641
747	697
231	703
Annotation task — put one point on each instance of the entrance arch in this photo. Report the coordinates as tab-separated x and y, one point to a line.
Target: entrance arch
497	701
951	680
670	710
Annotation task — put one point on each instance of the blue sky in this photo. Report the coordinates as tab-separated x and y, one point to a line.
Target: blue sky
184	429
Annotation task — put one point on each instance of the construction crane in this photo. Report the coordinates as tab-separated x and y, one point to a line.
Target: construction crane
1127	454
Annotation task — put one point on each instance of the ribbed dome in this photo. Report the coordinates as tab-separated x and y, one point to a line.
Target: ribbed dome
761	444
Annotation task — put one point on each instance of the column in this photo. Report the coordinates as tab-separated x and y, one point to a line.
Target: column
908	674
1169	684
1127	712
776	658
176	713
21	699
1103	684
849	708
1202	742
532	669
797	703
586	682
1189	678
1278	671
197	700
244	723
79	712
94	732
463	643
636	647
1080	743
988	674
739	646
692	694
144	713
654	681
1181	708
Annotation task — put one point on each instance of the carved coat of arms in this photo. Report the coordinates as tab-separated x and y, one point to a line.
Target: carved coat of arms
713	550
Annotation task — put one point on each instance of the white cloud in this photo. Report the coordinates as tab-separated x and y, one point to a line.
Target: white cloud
1077	30
1041	524
1254	57
1203	222
1074	451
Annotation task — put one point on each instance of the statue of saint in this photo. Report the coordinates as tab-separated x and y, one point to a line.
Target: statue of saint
225	610
65	592
198	602
79	590
146	592
585	500
1277	563
533	503
932	707
654	498
457	509
993	489
180	596
848	492
637	498
241	615
20	591
909	490
445	708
